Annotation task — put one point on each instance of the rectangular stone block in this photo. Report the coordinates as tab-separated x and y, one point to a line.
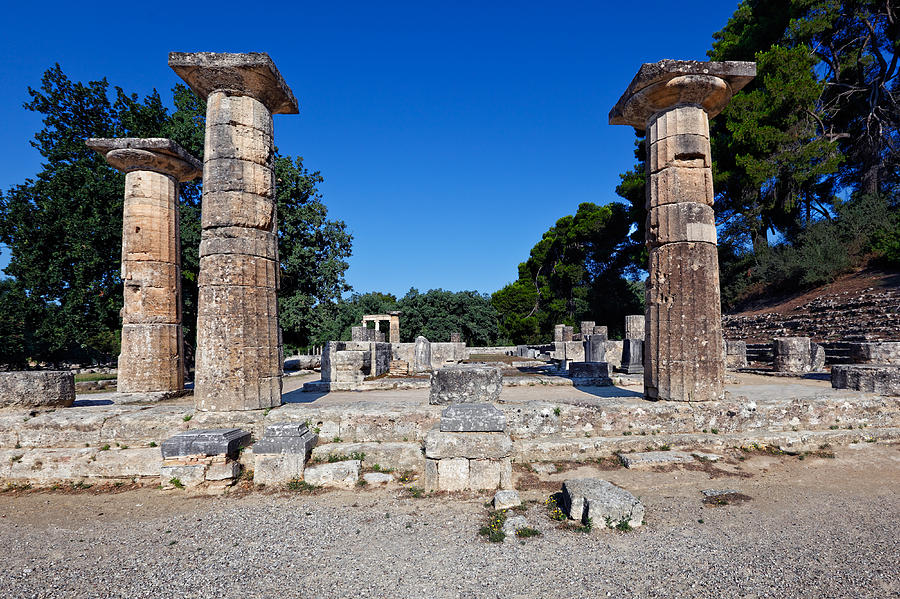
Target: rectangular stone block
883	379
189	475
634	326
676	185
230	174
587	327
338	474
223	470
735	354
633	356
465	384
205	442
152	292
432	480
239	142
671	223
559	332
151	358
484	474
589	370
453	474
236	110
472	417
595	348
440	445
277	468
37	389
237	270
881	352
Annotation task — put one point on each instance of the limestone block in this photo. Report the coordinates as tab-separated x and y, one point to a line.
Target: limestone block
513	524
432	479
678	184
440	445
504	500
589	370
646	459
362	334
378	478
228	109
422	355
688	150
237	270
672	223
587	327
238	208
396	455
601	501
558	332
883	379
286	438
205	442
569	350
633	356
338	474
157	154
634	326
735	354
614	351
453	474
240	142
882	352
484	474
228	174
465	384
189	475
506	480
568	333
797	355
151	358
472	417
601	330
595	348
223	470
152	292
37	389
678	121
684	353
273	469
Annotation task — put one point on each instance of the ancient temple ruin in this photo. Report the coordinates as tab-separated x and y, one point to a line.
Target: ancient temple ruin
152	355
239	355
673	101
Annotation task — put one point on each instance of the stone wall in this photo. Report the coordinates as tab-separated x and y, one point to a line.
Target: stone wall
869	314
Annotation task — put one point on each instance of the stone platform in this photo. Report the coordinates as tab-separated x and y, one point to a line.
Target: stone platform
97	438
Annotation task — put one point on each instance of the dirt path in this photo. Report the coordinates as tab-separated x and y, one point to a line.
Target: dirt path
816	527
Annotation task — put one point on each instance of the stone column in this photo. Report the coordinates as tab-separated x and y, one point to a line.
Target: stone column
673	101
395	327
152	355
239	355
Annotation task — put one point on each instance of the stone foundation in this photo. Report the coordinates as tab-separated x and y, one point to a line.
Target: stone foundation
882	379
37	389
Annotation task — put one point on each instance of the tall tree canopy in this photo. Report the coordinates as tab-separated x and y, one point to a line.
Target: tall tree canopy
576	271
63	228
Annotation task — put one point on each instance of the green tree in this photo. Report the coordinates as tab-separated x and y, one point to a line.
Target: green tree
576	271
63	228
438	313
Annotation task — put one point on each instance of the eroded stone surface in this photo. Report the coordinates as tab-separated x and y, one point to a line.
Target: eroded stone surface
645	459
601	501
465	384
472	417
633	356
440	445
504	500
207	442
634	326
882	352
338	474
797	355
883	379
37	389
239	356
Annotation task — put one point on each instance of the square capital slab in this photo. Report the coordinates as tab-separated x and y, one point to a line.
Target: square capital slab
251	73
207	442
646	94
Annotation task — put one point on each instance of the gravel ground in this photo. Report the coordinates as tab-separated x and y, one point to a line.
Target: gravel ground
816	527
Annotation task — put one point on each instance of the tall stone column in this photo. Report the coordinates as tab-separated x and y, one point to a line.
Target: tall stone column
673	101
152	356
239	354
394	335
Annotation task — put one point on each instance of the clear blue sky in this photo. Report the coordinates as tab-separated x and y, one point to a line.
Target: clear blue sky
450	135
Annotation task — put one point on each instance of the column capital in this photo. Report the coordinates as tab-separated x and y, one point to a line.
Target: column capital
668	83
157	154
250	74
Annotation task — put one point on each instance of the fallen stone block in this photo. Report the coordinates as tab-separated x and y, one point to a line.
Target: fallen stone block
207	442
465	384
286	437
377	478
37	389
472	417
504	500
646	459
600	501
544	468
513	524
594	371
882	352
188	475
883	379
339	474
441	445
